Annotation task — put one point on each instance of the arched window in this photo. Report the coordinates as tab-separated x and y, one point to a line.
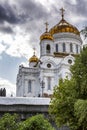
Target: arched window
29	86
49	83
64	47
48	48
76	48
56	47
71	47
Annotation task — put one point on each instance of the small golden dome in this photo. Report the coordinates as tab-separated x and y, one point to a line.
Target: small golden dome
46	35
64	26
33	59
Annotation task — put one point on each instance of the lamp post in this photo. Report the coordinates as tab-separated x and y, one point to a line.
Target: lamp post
42	86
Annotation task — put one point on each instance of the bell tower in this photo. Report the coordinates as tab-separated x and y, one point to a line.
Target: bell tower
46	43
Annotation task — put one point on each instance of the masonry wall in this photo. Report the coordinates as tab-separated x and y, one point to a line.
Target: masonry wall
26	107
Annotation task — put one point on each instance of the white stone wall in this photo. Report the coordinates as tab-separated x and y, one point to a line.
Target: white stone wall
68	38
43	45
59	66
28	74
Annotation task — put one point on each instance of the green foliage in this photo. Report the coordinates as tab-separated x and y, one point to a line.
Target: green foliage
62	105
81	112
11	122
8	122
69	103
79	71
37	122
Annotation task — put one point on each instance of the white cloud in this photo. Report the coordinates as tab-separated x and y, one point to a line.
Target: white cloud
50	3
25	64
2	47
73	2
76	19
20	47
10	87
16	45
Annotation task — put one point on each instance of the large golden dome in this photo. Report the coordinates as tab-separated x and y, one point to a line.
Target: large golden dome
64	26
46	35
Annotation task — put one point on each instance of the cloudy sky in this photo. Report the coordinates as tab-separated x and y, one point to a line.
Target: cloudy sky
22	23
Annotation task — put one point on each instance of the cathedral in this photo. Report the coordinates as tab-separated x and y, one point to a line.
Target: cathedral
58	48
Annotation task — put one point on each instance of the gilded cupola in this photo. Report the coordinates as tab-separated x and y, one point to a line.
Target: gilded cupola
46	34
63	26
34	58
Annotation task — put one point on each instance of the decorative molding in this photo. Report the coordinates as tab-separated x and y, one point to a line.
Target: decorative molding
61	54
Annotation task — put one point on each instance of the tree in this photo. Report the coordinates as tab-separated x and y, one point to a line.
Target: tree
37	122
8	122
69	103
11	122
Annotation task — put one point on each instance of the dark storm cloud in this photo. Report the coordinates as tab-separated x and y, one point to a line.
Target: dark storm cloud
7	14
31	11
21	13
7	30
36	15
34	10
11	13
31	15
79	9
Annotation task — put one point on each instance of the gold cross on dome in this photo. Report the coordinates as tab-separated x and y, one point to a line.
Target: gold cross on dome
62	12
34	50
46	26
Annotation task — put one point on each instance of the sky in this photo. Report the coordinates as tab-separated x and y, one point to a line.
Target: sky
21	25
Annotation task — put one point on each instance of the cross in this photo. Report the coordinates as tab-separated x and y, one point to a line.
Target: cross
34	50
46	26
62	12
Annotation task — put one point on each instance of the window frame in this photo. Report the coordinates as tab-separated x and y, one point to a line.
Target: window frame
71	47
64	47
77	49
56	47
49	83
48	49
29	86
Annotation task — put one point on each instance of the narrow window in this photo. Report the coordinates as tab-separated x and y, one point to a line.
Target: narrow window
64	47
71	47
29	86
49	83
48	48
76	48
56	47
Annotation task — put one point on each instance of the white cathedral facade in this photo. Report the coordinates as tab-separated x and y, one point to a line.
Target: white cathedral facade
58	48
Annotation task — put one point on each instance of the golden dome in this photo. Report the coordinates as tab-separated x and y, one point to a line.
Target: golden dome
64	26
33	59
46	35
